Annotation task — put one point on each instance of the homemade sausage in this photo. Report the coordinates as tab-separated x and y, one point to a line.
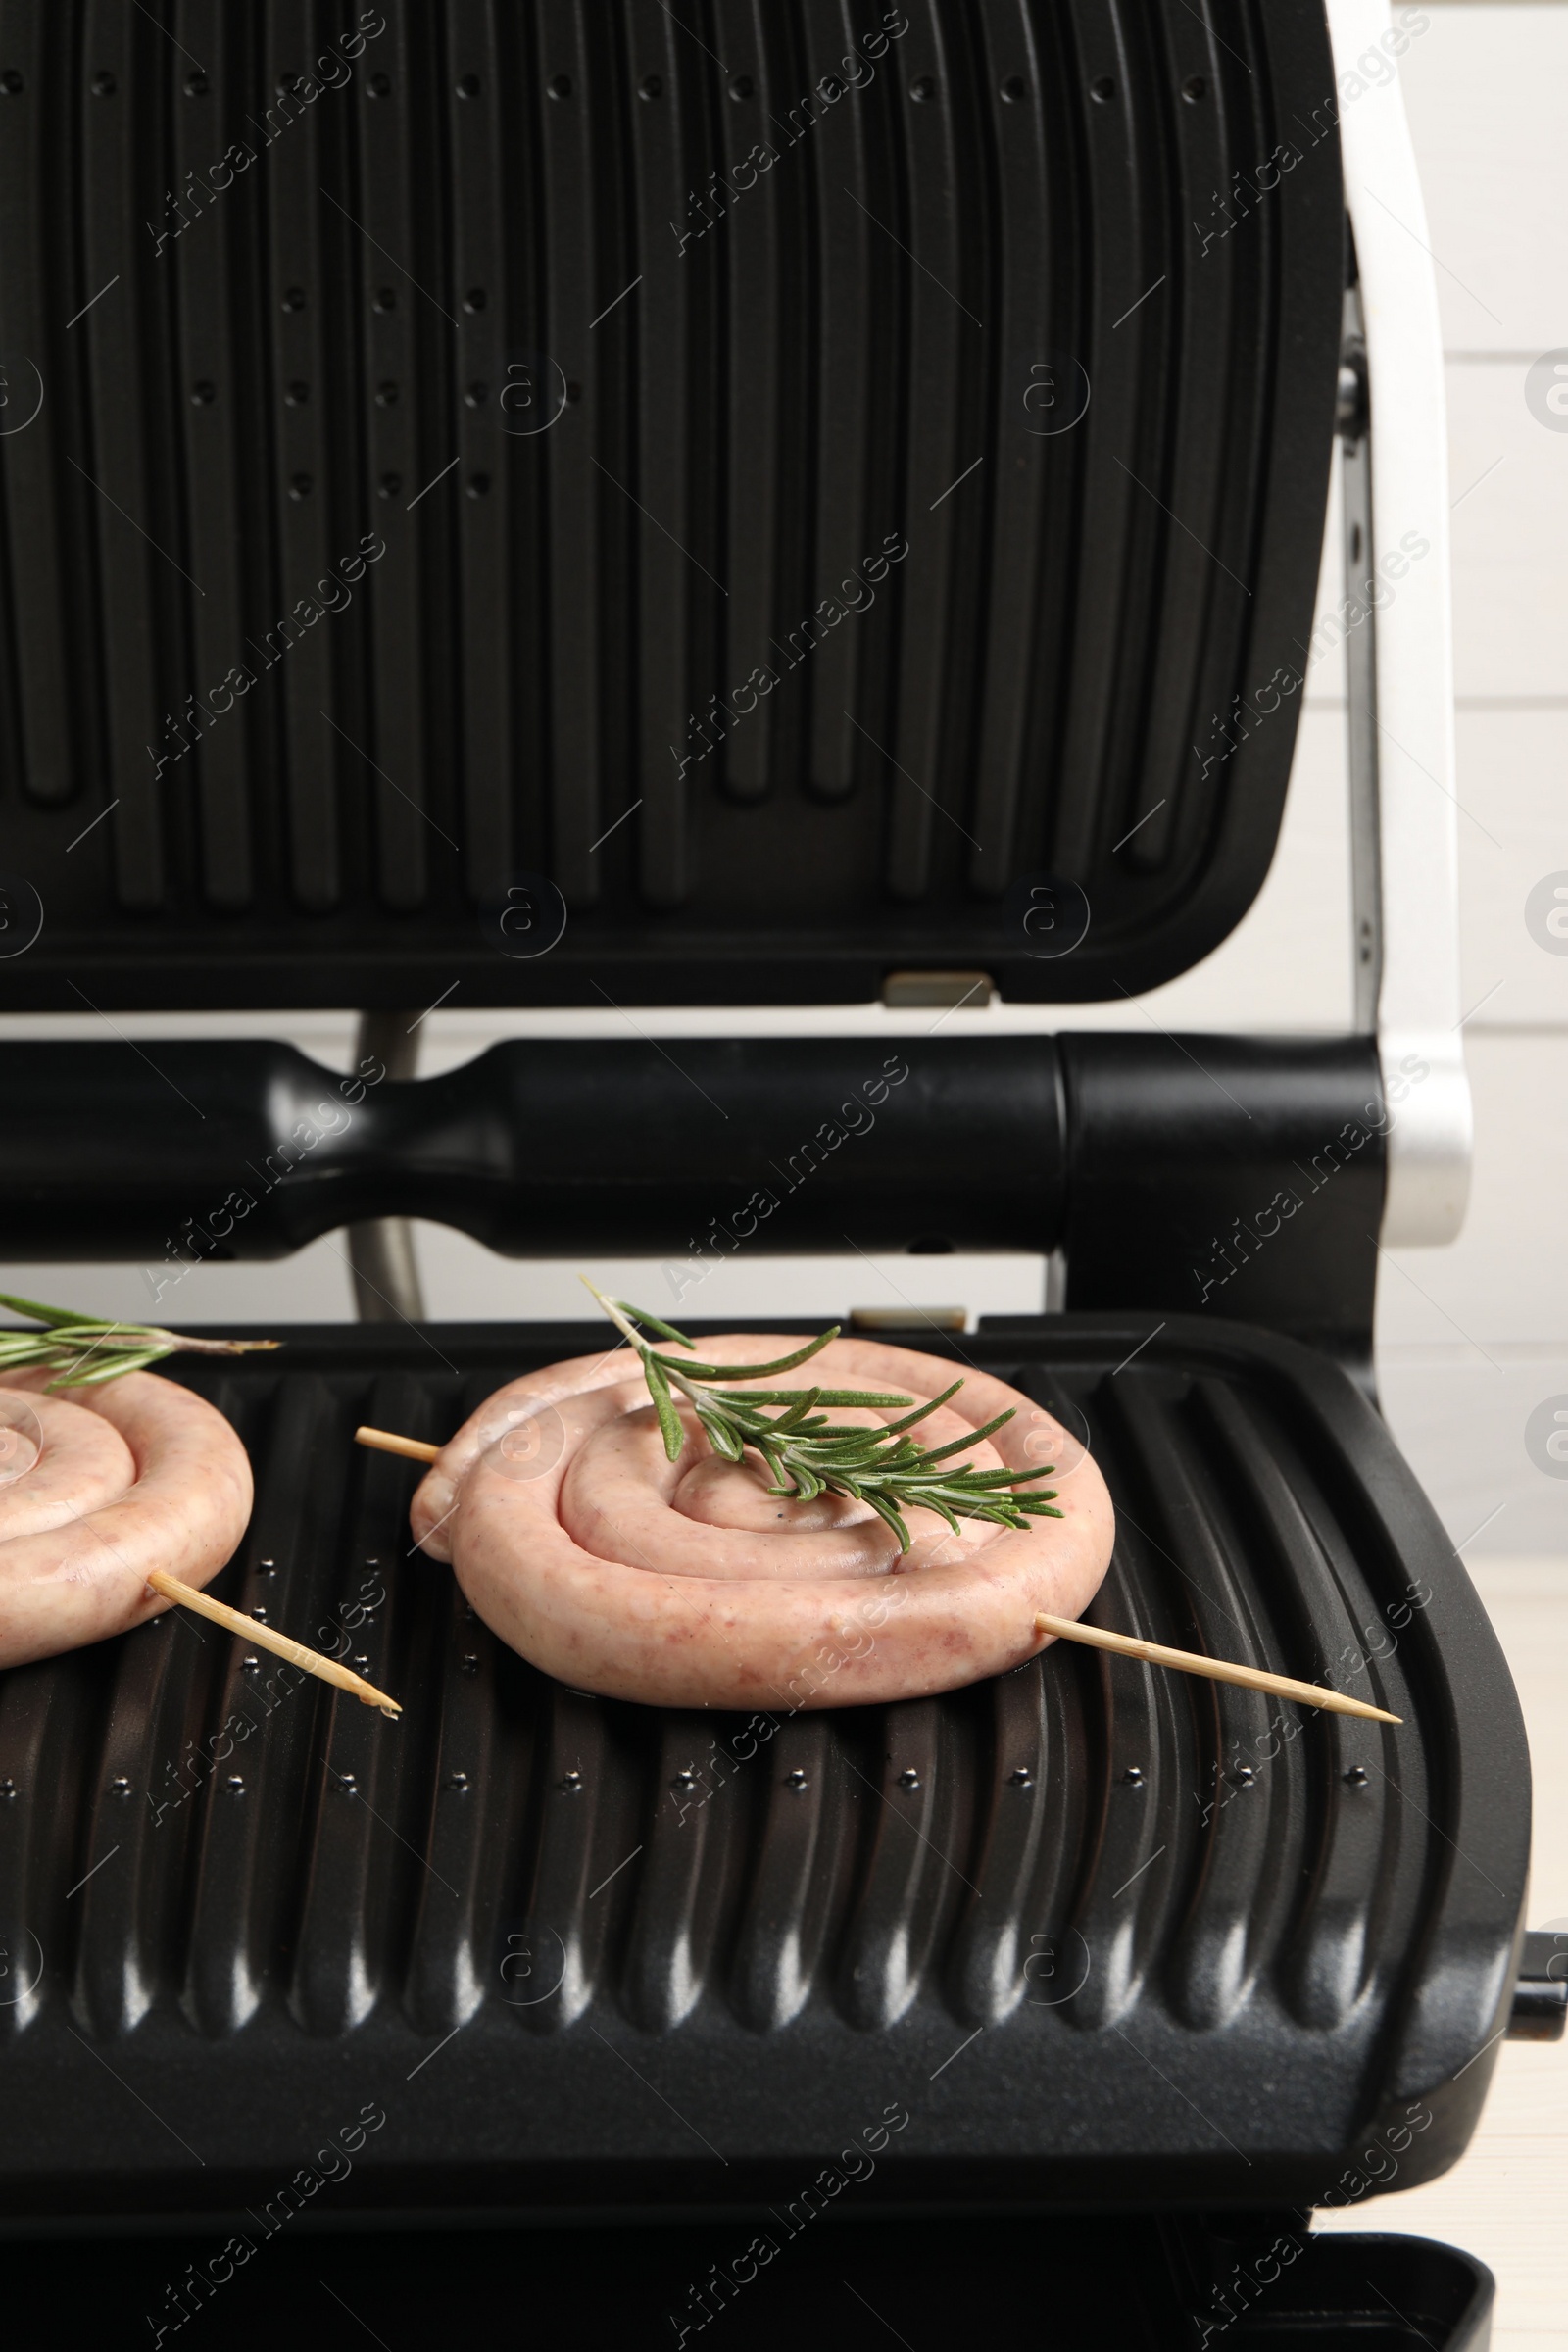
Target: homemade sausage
97	1489
688	1584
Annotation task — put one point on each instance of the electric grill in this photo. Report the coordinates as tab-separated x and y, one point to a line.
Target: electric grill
981	426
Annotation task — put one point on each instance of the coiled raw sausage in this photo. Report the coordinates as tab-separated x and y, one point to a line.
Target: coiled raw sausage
688	1584
97	1489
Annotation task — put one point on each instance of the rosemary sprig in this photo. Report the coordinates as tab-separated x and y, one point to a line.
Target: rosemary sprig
89	1349
807	1453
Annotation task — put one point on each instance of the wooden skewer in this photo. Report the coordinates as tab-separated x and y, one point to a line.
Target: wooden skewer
386	1440
312	1660
1219	1670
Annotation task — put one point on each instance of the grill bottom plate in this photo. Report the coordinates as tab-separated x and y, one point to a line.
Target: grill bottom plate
1130	1938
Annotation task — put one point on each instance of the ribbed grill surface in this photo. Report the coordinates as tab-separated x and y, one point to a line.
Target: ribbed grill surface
717	435
1119	1873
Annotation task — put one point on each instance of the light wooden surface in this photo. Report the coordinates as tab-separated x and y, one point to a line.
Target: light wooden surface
1507	2198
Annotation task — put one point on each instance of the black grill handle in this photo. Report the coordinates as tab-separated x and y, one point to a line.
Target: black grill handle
1239	1178
541	1149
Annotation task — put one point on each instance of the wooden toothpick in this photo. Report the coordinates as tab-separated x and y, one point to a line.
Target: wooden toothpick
387	1441
1219	1670
311	1660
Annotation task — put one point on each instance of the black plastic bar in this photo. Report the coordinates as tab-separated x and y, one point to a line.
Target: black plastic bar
855	263
945	356
569	371
477	133
307	250
203	73
1210	442
1250	1852
1122	350
752	259
33	327
660	303
408	456
1033	389
119	153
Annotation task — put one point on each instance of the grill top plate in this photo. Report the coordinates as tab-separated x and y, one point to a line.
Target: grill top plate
780	506
1100	1934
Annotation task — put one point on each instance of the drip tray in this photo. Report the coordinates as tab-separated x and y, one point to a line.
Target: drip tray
1017	2278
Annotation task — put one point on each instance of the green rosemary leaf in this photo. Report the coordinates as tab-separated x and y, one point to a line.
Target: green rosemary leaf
939	1453
895	1427
798	1414
665	1331
872	1398
113	1369
43	1314
664	1408
997	1478
802	1404
127	1337
721	1435
775	1468
826	1444
886	1509
784	1363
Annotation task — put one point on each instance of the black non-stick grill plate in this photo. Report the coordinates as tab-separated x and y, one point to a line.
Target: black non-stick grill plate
1088	1933
788	479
